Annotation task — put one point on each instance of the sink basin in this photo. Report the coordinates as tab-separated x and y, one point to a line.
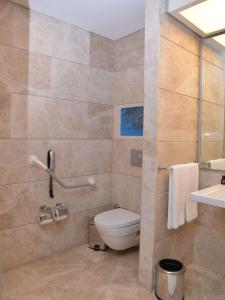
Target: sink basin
214	195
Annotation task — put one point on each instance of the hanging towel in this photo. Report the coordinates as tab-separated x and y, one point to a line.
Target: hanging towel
217	164
191	207
183	179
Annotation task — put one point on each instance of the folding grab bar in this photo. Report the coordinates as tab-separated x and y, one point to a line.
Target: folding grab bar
34	160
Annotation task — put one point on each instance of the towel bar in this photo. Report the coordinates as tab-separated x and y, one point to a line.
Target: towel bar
167	168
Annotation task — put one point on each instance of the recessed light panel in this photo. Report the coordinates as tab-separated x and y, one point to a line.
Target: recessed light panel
208	16
220	39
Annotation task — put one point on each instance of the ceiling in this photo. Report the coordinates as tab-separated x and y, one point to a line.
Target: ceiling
110	18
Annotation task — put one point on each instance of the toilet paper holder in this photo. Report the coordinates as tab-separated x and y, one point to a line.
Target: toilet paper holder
45	215
61	212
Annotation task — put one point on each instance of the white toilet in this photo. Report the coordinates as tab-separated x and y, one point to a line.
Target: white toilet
119	228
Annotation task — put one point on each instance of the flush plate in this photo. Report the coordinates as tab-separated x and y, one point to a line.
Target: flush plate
136	157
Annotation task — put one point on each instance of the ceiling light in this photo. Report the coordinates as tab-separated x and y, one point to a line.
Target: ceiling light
220	39
206	17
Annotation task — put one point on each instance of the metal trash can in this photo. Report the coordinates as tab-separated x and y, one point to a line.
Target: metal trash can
170	280
95	241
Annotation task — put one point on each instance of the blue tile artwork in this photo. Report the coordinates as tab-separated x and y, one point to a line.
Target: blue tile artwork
131	121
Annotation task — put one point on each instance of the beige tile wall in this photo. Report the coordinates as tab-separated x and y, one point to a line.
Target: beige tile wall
171	106
56	85
128	90
171	125
209	250
149	178
177	128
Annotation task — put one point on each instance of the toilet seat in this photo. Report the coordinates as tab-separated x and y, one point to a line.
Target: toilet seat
117	218
119	228
120	232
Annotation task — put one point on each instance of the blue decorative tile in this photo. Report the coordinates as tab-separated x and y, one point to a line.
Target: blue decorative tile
131	121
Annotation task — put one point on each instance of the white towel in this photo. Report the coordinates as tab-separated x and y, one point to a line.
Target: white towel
183	180
191	207
217	164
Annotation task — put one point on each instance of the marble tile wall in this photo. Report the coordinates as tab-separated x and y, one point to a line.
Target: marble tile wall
56	84
149	178
62	88
171	106
171	125
209	250
128	90
177	124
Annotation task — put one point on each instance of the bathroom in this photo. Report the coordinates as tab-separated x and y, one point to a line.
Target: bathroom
71	72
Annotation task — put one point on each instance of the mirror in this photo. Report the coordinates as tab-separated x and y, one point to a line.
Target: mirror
212	104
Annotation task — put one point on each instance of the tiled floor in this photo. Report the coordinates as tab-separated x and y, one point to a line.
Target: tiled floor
79	274
82	274
202	284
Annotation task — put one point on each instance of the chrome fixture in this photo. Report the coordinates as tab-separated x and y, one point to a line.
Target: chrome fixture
61	212
116	206
45	215
34	160
95	241
170	280
136	157
168	168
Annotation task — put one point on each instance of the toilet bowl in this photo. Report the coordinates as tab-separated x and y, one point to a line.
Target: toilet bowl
119	228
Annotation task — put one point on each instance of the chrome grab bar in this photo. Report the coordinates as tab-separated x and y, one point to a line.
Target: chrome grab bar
34	160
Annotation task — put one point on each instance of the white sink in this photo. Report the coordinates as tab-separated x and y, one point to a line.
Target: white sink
214	195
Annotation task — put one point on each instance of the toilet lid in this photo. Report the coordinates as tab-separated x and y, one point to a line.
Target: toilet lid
117	218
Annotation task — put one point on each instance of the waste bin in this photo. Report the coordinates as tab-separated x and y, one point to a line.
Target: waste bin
170	280
94	239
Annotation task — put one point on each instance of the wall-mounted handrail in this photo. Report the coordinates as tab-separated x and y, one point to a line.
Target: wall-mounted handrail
34	160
